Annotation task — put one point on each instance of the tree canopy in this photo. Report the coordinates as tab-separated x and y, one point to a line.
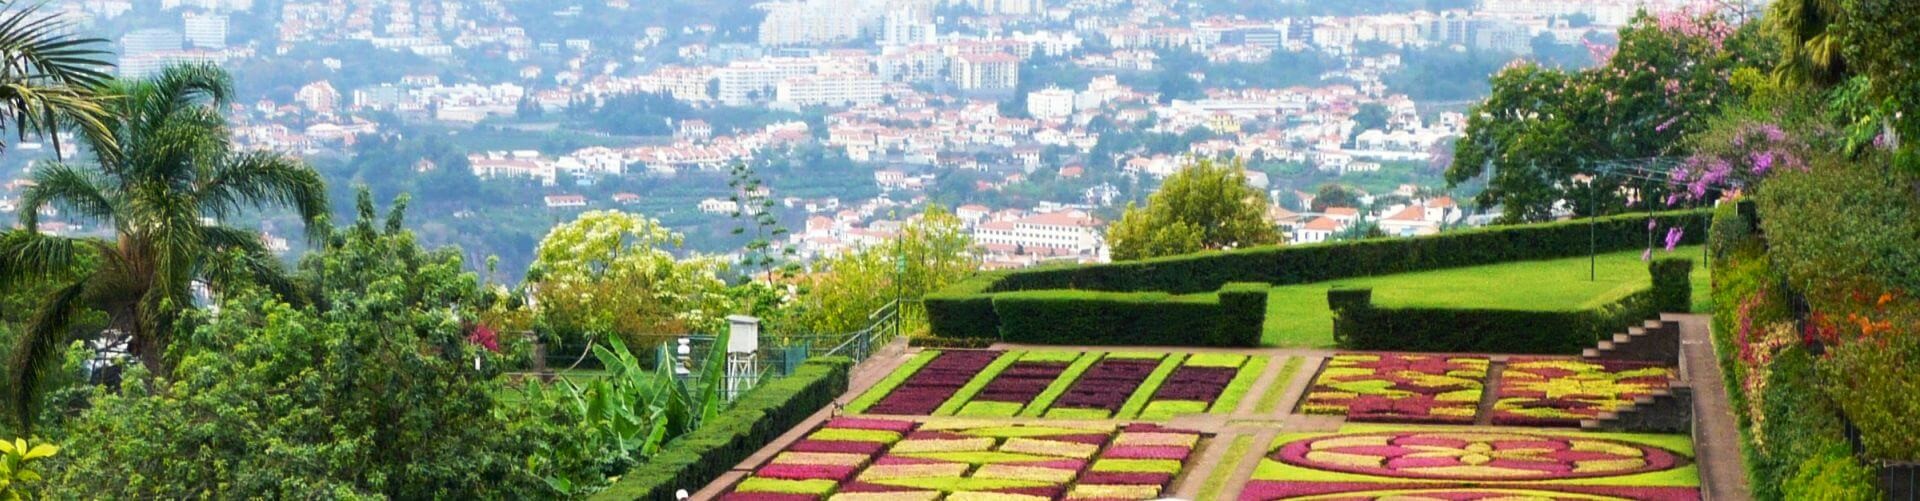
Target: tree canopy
1207	205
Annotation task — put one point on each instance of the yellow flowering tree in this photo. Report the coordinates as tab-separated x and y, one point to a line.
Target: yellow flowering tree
614	272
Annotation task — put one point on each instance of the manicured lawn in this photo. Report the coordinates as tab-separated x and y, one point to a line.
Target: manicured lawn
1297	315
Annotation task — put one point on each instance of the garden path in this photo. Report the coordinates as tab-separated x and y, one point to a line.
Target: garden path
1716	435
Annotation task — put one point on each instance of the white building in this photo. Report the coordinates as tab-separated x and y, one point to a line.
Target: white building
746	82
908	26
205	31
1051	102
1069	232
719	206
829	90
998	71
814	22
1320	229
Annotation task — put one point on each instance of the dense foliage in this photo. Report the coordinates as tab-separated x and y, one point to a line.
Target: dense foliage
611	272
1207	205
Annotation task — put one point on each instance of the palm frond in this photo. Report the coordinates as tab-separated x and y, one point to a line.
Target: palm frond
35	43
36	348
85	192
27	254
261	178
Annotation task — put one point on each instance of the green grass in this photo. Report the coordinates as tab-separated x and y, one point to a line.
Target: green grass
990	409
1228	463
1162	410
979	382
1050	356
1242	382
1297	315
1077	414
893	380
1216	360
1138	465
1144	393
1278	389
1038	407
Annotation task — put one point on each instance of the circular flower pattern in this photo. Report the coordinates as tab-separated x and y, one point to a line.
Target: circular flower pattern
1475	455
1462	495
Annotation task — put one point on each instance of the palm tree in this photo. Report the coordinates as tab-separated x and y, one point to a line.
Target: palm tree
163	184
47	77
1810	52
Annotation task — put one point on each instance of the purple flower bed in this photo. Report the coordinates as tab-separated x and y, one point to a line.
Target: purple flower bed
1021	382
934	383
1196	383
868	448
1107	384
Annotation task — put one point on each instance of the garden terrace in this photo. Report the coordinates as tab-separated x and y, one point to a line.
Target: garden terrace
854	459
969	309
1564	391
1064	384
1382	462
1398	387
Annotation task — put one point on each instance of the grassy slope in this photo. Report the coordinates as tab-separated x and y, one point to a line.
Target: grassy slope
1297	315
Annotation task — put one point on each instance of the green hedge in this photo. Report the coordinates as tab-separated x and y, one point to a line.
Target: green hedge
1362	326
1231	317
755	419
1295	264
966	310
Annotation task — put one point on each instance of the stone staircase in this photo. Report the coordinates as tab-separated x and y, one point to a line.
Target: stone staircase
1655	341
1665	411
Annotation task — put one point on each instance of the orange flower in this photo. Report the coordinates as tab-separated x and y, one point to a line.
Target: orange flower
1885	297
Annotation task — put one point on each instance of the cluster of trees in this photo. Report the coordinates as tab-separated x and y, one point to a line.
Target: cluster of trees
172	355
1207	205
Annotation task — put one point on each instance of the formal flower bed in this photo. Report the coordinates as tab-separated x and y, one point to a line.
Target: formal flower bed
1399	387
1014	388
1379	462
1563	391
1198	385
1064	385
925	389
1104	388
970	460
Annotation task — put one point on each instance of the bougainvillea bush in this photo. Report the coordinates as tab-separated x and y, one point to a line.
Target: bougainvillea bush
1563	391
1399	387
1386	462
870	459
923	390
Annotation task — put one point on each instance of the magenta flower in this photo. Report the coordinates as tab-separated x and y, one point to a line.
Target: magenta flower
1674	235
485	337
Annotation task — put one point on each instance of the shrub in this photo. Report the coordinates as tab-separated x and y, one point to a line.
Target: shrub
963	310
1843	227
1231	318
755	418
1834	476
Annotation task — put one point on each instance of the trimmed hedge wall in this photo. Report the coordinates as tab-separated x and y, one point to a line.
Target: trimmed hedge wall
1231	317
1363	326
755	419
965	309
1294	264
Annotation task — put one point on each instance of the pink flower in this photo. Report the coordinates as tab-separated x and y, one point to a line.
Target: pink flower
485	337
1674	235
1762	161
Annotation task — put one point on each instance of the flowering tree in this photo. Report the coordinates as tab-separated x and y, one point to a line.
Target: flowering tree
1541	127
612	272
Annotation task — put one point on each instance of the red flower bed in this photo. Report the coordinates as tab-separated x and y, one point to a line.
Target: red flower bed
1021	382
1398	387
1196	383
1270	490
934	383
1107	384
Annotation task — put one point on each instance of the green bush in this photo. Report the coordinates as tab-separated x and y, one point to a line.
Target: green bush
1844	227
1835	476
1233	317
1361	326
1733	225
967	309
754	419
1797	424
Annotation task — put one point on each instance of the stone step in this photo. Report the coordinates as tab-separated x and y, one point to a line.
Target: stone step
1590	353
1622	338
1653	324
1636	331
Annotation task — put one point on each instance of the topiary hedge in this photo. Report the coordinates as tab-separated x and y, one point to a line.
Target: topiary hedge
1364	326
1294	264
966	309
1231	317
755	419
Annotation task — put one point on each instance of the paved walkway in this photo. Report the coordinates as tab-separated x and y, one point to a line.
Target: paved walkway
1716	434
